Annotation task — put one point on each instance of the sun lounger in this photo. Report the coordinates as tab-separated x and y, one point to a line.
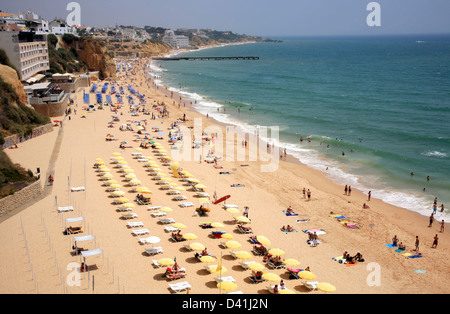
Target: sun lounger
245	264
140	231
227	278
171	229
186	204
179	198
316	231
159	214
154	250
77	189
179	287
124	209
153	207
226	206
129	216
173	192
65	209
243	229
255	280
167	220
311	285
135	224
273	266
156	264
202	194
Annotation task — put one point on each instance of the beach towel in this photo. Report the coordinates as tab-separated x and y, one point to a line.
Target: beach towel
415	256
391	245
351	264
420	271
339	259
340	217
285	231
399	250
302	220
294	214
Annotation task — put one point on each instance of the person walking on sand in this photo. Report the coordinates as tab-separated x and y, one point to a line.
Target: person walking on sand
304	193
309	194
435	241
417	243
349	190
345	189
442	225
369	195
431	220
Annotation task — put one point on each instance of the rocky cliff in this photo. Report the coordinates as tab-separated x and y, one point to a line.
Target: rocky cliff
9	76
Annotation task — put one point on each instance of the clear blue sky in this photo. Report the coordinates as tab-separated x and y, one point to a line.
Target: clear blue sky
255	17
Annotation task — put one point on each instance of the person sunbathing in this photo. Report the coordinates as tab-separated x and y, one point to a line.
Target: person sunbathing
358	257
287	229
78	249
257	276
71	229
260	249
245	229
289	210
254	239
177	236
401	246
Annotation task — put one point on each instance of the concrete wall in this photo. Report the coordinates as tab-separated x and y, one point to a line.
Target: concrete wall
13	139
53	109
20	198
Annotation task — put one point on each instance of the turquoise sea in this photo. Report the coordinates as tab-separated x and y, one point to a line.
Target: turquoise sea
384	101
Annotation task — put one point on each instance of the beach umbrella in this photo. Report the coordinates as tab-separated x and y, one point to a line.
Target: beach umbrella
105	169
326	287
233	210
146	192
128	170
228	236
108	175
271	277
153	240
190	236
98	159
232	244
111	182
166	209
119	158
306	275
242	219
207	259
204	200
197	246
243	255
142	189
135	182
180	188
276	252
115	186
115	154
130	176
256	266
263	240
166	179
123	200
227	285
217	225
166	261
123	162
200	186
286	291
291	262
162	151
127	205
214	270
138	148
118	193
193	180
178	225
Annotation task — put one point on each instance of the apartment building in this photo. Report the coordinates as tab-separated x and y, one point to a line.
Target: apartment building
27	51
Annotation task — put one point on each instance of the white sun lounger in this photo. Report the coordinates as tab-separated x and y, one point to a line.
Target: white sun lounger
311	285
227	278
173	192
129	216
186	204
65	209
179	287
135	224
179	198
167	220
140	231
226	206
136	154
245	264
124	209
155	250
153	207
202	194
159	214
77	189
171	229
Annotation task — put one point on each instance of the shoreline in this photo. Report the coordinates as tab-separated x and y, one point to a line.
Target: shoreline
125	267
362	187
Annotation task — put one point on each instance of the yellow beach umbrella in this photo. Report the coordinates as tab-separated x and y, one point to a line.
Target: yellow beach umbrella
115	186
291	262
166	261
115	154
118	193
271	277
178	225
123	200
276	252
227	285
243	255
255	266
146	192
193	180
306	275
130	176
200	186
213	269
142	189
108	175
105	169
98	159
197	246
207	259
135	182
162	151
204	200
123	162
326	287
242	219
286	291
232	244
180	188
263	240
111	182
233	210
228	236
166	179
138	148
217	225
127	205
190	236
128	170
166	209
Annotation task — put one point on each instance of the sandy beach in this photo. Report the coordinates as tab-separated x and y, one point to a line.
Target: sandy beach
39	259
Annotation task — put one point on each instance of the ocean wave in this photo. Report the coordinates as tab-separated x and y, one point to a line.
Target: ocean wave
434	153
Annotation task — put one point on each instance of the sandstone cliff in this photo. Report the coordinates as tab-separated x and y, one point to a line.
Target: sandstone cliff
95	54
9	76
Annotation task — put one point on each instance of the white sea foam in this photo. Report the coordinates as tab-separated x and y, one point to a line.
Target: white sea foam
434	153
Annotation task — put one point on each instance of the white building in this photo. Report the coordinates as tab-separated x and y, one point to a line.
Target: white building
59	27
175	41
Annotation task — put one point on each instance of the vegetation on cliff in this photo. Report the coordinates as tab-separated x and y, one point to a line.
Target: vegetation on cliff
64	60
